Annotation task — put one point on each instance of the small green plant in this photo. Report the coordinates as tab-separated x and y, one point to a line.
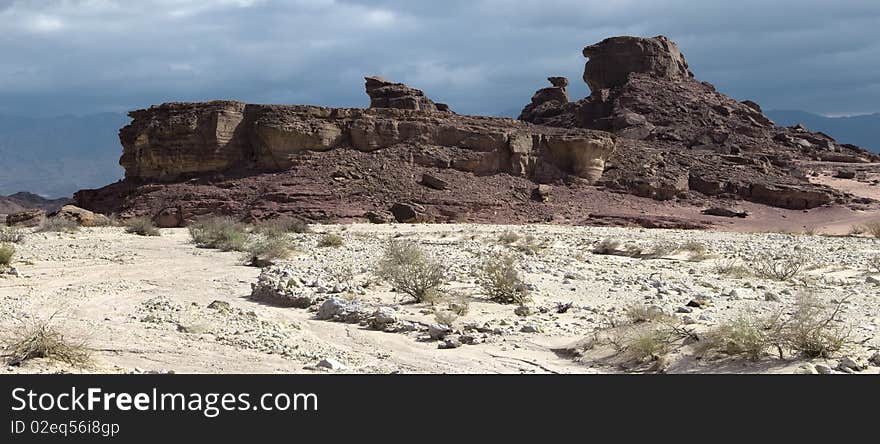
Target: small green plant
7	252
745	335
813	330
647	344
58	225
500	280
142	226
222	233
411	271
11	235
331	240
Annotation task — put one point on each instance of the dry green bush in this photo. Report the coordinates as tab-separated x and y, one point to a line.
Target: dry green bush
40	339
644	344
58	225
265	251
697	250
331	240
142	226
11	235
500	280
222	233
277	227
7	252
784	269
412	271
459	304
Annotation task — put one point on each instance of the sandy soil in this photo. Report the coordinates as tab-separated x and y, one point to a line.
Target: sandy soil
144	304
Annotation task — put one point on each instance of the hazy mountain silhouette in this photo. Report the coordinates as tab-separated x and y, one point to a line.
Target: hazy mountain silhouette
863	130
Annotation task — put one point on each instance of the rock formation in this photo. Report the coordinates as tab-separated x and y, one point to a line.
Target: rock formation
385	94
648	133
679	135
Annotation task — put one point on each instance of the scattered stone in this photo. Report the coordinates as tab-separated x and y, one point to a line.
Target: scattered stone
219	305
851	364
724	212
277	285
807	369
531	328
330	364
438	331
449	343
382	317
432	181
875	359
81	216
824	369
523	311
28	218
684	310
771	297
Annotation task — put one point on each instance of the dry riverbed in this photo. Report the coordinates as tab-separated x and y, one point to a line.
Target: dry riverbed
159	304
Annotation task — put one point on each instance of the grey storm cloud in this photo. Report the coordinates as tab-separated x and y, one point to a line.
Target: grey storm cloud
480	56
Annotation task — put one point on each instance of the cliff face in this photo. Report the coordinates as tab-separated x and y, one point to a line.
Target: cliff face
175	141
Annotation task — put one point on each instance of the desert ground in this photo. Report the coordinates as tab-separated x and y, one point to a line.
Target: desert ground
159	304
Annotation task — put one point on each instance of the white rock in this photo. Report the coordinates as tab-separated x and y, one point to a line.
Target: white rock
330	364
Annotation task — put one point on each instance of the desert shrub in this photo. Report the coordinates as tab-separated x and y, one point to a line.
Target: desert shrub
731	267
411	271
508	237
856	230
638	313
500	280
697	250
658	250
813	330
874	263
779	269
58	225
40	339
277	227
743	336
11	235
607	246
142	226
445	317
650	343
7	251
872	228
222	233
264	252
459	304
331	240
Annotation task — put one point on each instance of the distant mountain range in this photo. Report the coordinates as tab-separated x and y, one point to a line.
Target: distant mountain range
57	156
863	130
23	201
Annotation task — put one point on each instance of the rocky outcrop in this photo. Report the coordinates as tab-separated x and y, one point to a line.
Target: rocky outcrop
612	61
385	94
80	216
28	218
679	136
547	102
166	143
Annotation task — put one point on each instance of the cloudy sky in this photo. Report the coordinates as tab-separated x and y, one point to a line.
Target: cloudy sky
480	56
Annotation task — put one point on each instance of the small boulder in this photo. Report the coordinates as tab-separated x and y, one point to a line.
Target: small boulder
434	182
724	212
330	364
81	217
408	212
438	331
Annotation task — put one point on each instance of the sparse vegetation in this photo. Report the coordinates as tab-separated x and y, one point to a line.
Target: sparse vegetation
411	271
607	246
445	317
696	250
508	237
40	339
647	344
142	226
7	252
784	269
812	331
222	233
58	225
331	240
872	228
264	252
11	235
731	268
459	304
501	281
638	313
